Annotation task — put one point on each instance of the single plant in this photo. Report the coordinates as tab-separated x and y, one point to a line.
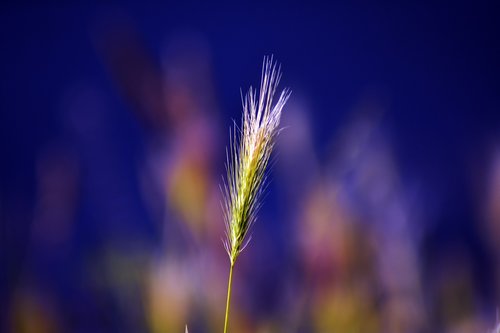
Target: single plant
247	158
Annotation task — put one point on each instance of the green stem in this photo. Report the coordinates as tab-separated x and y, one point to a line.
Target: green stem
228	296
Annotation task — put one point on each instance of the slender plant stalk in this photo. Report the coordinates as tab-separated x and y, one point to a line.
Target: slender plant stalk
247	159
228	300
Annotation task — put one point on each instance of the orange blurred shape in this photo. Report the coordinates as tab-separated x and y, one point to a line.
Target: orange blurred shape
168	297
33	313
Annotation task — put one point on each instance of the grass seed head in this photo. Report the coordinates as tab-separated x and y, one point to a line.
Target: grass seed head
248	155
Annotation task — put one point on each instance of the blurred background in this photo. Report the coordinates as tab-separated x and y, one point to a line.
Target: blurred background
383	214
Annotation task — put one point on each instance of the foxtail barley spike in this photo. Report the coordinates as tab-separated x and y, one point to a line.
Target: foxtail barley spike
248	156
